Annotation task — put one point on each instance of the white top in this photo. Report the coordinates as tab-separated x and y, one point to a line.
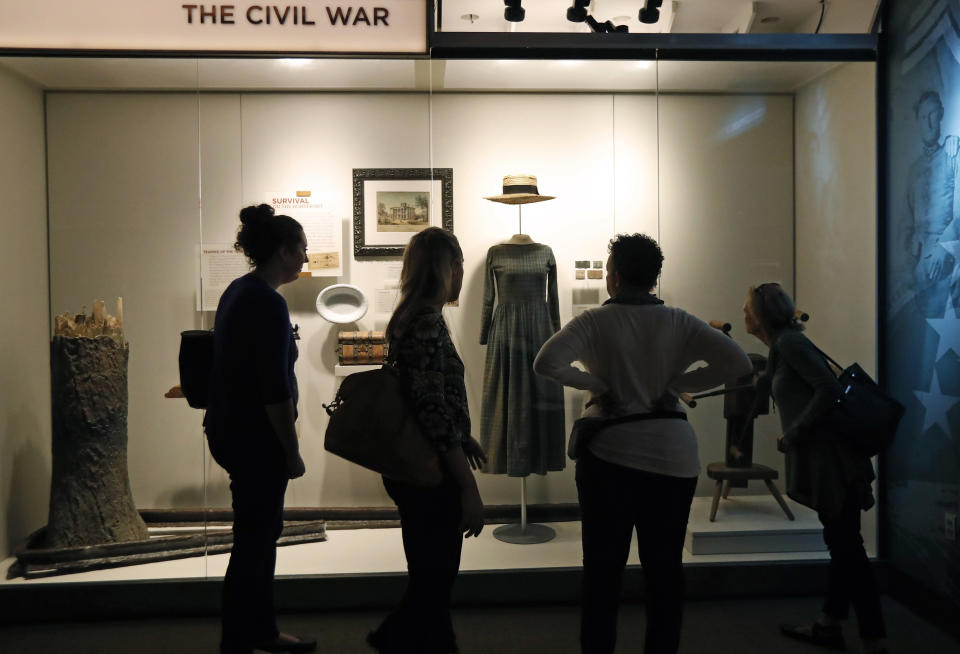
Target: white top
640	352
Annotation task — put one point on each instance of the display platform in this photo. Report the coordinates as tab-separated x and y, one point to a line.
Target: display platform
752	524
380	551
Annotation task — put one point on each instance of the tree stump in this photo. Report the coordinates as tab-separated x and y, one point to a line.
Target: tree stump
90	497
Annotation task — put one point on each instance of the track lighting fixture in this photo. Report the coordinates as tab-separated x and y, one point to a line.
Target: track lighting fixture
605	27
513	12
577	13
650	12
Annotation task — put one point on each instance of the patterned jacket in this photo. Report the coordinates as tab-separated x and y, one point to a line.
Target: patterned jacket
432	372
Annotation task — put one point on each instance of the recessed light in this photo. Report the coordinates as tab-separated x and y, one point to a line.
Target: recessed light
643	64
770	19
620	20
295	63
473	18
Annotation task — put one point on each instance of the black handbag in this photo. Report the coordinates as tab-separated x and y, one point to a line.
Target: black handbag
372	425
864	414
584	429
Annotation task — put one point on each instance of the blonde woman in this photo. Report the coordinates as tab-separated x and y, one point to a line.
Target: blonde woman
434	521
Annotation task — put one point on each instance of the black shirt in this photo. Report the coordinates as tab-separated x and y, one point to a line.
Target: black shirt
253	365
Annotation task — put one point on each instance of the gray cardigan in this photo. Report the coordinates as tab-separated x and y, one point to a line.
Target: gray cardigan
822	468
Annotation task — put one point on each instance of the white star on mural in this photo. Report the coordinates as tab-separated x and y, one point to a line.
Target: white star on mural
949	331
948	327
936	405
953	247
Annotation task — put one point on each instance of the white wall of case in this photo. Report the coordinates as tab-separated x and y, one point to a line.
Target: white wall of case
124	188
24	349
836	233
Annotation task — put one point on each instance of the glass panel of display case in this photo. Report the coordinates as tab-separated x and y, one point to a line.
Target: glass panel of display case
342	147
122	227
745	172
758	183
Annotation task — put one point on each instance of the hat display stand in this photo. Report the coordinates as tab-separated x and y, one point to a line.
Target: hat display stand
514	239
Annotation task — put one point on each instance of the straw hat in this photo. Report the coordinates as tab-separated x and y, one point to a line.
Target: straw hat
520	189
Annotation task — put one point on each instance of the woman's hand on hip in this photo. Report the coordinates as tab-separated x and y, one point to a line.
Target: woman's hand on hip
474	453
471	507
782	444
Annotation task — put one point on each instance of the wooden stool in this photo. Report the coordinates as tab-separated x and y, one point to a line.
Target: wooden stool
724	474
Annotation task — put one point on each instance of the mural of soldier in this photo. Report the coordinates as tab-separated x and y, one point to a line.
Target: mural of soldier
930	226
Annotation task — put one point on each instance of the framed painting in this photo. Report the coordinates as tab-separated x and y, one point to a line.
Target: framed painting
392	204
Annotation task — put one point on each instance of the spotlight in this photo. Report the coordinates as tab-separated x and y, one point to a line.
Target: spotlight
605	27
650	13
513	12
577	13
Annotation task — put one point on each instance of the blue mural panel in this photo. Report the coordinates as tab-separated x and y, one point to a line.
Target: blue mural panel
922	273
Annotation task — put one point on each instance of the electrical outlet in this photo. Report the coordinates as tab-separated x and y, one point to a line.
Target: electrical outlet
950	525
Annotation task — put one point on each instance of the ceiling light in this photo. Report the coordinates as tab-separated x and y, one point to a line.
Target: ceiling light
643	64
650	13
577	13
513	12
295	63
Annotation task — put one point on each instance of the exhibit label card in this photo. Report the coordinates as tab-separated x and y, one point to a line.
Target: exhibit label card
324	231
220	264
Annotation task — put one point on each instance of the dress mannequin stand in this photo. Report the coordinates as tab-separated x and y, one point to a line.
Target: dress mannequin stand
522	418
523	533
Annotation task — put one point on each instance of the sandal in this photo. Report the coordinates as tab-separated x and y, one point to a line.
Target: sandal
816	634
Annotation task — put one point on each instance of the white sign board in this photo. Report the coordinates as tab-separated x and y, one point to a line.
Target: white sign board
309	26
324	231
220	264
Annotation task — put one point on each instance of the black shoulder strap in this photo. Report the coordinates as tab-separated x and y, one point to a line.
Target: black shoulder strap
826	356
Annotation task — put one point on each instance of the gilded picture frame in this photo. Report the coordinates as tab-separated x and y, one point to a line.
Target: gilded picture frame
391	204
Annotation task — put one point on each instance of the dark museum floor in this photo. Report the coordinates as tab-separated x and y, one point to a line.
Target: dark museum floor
742	626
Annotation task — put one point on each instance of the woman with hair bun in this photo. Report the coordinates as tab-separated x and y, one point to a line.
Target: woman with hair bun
250	424
823	472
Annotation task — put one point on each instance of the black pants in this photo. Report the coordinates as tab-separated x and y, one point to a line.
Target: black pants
432	541
850	577
615	501
248	616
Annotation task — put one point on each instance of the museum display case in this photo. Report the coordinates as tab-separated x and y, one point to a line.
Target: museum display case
744	171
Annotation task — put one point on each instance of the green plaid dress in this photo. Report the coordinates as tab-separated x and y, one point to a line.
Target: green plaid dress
522	417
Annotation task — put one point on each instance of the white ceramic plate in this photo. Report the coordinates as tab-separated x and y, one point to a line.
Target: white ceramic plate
342	303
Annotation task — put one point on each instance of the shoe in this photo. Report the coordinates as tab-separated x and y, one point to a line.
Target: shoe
281	644
816	634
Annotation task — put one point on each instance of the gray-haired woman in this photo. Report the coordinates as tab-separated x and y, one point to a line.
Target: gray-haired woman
824	472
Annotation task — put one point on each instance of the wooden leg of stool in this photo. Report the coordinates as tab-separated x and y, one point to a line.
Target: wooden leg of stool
726	489
716	500
777	496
